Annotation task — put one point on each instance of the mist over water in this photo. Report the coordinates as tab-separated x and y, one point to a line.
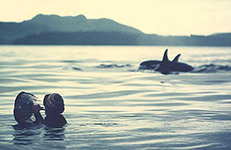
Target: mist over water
110	104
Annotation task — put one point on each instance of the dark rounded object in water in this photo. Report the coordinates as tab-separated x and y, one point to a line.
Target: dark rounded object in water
23	107
54	103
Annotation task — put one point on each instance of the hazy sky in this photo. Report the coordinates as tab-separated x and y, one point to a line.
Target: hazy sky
165	17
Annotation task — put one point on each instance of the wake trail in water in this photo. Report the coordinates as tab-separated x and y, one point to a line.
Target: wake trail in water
212	68
206	68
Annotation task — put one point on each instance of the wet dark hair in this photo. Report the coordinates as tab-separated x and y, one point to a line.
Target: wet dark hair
23	107
58	103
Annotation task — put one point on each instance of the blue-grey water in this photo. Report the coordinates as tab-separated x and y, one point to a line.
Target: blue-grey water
110	104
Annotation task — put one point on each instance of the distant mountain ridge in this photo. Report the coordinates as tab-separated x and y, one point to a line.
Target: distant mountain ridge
10	31
78	30
79	23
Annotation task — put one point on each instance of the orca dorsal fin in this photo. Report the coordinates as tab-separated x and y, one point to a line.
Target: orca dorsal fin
176	59
165	57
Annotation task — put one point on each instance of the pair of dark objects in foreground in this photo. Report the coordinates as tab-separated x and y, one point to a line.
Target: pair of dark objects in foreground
26	106
166	66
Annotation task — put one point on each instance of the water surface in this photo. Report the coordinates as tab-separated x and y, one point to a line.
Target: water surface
112	105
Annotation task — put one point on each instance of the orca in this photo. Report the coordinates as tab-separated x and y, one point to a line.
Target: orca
166	66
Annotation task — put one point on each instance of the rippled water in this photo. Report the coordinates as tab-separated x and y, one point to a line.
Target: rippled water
112	105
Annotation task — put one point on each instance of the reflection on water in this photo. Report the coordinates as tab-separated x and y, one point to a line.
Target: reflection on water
25	135
54	137
39	135
110	107
54	133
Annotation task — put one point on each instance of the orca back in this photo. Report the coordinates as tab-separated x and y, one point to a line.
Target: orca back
165	66
149	65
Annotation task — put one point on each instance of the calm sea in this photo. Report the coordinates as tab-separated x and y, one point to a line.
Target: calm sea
110	104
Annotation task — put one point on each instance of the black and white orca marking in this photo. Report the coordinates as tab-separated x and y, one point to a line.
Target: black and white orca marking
166	66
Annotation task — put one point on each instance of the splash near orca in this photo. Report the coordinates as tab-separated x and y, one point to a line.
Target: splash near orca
166	66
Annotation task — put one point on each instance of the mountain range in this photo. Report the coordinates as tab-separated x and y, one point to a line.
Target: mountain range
78	30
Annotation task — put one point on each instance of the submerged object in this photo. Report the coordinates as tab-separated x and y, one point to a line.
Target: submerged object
23	107
166	66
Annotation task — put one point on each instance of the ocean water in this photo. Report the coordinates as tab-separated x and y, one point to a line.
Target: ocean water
110	104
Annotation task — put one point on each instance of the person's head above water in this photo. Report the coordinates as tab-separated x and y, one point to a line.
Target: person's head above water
23	107
54	104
